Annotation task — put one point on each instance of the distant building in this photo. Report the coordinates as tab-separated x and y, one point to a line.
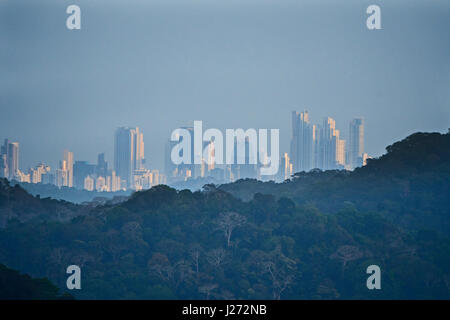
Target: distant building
362	161
356	143
316	146
182	171
64	174
102	166
286	168
100	184
9	160
303	142
37	173
13	158
145	179
89	183
68	158
82	169
128	153
331	147
243	166
4	170
115	182
22	177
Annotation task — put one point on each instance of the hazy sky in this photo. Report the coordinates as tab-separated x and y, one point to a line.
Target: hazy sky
160	65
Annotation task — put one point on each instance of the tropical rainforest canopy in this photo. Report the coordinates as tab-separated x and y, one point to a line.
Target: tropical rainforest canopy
311	237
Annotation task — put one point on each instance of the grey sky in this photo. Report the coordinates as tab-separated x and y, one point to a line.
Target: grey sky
160	65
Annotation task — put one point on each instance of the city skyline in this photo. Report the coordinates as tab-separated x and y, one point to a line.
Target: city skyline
234	150
251	73
312	146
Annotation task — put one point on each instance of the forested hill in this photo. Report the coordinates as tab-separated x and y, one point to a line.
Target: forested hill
16	286
310	238
16	204
409	185
73	195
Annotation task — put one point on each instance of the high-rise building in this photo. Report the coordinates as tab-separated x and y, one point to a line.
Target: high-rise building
211	154
331	146
303	143
286	168
13	158
128	153
37	173
9	160
4	170
62	175
356	143
340	153
244	165
68	158
102	166
89	183
316	146
82	169
181	171
115	182
100	184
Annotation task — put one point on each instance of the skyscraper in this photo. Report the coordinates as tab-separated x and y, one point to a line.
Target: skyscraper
128	153
68	158
9	154
13	158
4	171
303	143
62	175
37	172
102	166
332	147
314	146
286	168
356	143
82	169
182	170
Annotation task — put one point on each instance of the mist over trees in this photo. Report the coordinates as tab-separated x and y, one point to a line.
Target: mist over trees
308	238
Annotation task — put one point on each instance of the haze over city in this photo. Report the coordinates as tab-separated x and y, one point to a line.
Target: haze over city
209	158
229	64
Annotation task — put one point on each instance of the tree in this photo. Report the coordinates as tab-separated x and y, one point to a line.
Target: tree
229	221
281	269
160	266
347	253
207	288
217	257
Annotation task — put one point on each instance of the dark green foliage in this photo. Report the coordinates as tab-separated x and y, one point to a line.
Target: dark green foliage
16	286
311	238
18	204
409	185
69	194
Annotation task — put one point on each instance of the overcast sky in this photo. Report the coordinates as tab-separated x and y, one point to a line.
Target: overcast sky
160	65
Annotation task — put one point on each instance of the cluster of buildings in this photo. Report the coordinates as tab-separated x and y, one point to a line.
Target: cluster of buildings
208	168
128	171
313	146
129	161
323	147
9	162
